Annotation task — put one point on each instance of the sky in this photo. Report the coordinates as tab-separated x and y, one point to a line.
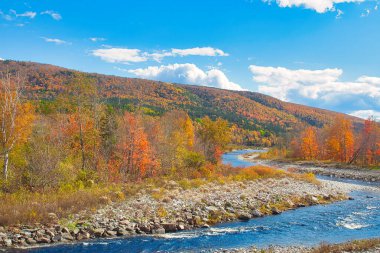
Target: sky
322	53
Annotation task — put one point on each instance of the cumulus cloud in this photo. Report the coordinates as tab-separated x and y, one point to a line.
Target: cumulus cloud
365	114
120	55
53	14
317	87
1	59
188	74
320	6
56	41
110	55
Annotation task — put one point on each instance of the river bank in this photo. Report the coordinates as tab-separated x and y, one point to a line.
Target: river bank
320	168
358	246
174	208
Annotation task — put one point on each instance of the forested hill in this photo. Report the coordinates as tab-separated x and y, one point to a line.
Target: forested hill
249	110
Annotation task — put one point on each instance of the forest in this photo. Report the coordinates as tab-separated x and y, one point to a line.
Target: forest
70	151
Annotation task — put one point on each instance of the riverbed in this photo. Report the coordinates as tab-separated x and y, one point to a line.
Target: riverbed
338	222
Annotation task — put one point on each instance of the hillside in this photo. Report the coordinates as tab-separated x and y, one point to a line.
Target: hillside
249	110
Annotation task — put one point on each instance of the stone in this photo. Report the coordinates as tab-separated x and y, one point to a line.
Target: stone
160	230
52	217
31	241
65	230
98	232
169	227
49	233
8	242
181	227
205	225
111	233
275	211
43	239
67	237
256	213
122	232
244	216
83	236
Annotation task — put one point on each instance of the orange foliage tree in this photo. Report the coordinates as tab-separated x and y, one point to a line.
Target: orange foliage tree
309	144
134	149
340	140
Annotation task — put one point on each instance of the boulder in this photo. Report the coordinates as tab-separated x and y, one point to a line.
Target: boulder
275	211
256	213
30	241
169	227
43	239
244	216
98	232
160	230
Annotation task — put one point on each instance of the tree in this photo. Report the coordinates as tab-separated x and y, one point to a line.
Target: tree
309	144
340	140
15	117
134	149
215	135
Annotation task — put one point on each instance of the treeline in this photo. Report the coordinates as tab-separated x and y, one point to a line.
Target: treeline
339	142
82	140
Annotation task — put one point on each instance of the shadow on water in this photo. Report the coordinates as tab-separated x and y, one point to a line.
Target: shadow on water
338	222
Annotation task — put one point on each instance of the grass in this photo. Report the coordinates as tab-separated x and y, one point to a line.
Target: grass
352	246
25	207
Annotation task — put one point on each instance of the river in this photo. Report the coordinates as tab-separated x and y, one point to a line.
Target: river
333	223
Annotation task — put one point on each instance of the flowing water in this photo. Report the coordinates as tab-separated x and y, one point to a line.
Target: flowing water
338	222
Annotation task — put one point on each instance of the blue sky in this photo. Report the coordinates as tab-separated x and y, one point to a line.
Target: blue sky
320	53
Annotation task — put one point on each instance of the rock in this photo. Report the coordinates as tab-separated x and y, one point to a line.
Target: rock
314	200
351	198
65	230
181	227
256	213
43	239
169	227
122	232
8	242
205	225
67	237
49	233
111	233
98	232
83	236
275	211
244	216
145	228
31	241
160	230
105	200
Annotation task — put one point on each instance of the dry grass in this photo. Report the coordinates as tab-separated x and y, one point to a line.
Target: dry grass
27	208
353	246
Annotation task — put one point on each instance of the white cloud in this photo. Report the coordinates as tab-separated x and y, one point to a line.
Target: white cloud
53	14
312	84
320	6
188	74
125	55
200	51
1	59
365	114
120	55
365	13
28	14
96	39
56	41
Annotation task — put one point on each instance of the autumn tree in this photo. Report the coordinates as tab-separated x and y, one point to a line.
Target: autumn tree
340	140
368	144
214	135
309	144
175	139
134	149
82	102
15	117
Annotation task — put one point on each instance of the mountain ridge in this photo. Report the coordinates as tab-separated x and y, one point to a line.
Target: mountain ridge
249	110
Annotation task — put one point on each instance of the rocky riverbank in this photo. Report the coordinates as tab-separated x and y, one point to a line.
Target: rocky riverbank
174	208
325	169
